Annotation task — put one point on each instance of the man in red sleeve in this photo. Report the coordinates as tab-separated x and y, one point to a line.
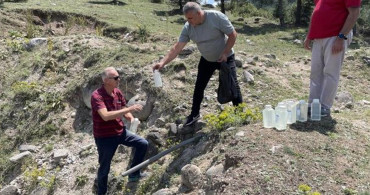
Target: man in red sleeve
331	32
108	106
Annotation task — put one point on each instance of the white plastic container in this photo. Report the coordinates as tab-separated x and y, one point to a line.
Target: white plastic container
281	117
315	110
157	79
268	117
291	109
134	125
302	111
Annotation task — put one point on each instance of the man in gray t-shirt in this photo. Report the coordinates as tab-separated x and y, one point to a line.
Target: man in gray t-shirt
215	37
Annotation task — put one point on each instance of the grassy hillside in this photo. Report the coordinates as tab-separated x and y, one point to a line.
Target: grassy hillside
42	91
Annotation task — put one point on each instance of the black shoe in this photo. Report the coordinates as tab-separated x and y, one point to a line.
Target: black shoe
325	112
191	119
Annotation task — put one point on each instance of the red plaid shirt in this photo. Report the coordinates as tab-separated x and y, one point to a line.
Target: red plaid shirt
101	99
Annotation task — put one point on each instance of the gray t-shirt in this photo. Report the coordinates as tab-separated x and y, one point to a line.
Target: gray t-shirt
210	36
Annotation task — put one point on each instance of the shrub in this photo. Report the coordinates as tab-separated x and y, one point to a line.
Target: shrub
233	116
142	33
25	91
246	9
81	180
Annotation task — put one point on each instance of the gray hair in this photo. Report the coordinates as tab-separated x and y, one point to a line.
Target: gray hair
191	6
104	74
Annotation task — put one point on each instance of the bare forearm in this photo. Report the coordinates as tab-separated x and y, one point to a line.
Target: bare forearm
350	21
128	116
111	115
230	43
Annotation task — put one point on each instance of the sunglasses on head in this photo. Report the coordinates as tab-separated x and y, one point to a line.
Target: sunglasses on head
115	78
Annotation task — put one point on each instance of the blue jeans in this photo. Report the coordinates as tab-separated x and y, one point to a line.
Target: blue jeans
106	149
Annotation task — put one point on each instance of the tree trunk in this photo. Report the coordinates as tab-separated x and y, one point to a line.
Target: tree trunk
281	13
298	13
223	6
180	4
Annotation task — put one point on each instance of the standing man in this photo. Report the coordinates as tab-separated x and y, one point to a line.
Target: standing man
331	32
108	106
215	37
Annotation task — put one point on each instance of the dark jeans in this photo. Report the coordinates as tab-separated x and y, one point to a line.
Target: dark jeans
205	72
106	149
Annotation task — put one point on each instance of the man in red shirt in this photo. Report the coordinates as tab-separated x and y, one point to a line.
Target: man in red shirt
331	32
108	106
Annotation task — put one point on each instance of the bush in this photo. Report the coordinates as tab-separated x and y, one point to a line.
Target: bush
233	116
25	91
142	33
246	9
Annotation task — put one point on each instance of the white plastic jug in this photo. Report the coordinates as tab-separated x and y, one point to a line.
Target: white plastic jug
315	110
291	109
268	117
157	79
281	116
134	125
302	111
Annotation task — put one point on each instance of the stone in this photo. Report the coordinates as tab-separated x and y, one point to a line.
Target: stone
156	138
9	190
230	128
160	122
60	154
270	56
18	157
188	50
238	62
215	170
366	60
248	77
240	19
365	102
240	134
31	148
164	191
297	41
351	58
35	42
191	176
85	148
344	98
173	128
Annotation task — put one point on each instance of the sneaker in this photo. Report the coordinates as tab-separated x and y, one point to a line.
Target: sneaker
191	119
136	178
325	112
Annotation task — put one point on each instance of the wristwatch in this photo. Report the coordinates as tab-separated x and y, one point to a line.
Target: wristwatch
342	36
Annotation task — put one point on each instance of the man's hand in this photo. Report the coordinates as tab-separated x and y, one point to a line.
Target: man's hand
307	43
222	58
136	107
338	46
157	66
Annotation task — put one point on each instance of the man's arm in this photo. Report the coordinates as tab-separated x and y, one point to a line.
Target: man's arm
229	45
111	115
175	50
354	13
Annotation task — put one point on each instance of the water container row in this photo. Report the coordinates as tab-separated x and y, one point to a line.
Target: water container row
288	112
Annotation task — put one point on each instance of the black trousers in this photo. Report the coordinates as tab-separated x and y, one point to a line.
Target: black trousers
205	72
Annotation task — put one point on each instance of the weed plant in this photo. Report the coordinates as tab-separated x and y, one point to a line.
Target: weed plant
233	116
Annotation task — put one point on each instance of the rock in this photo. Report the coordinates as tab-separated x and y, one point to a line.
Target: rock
240	19
351	58
364	102
270	56
248	77
366	60
31	148
255	58
60	154
73	114
240	134
85	148
163	19
191	176
188	50
200	125
182	130
232	160
297	41
238	62
173	128
164	191
18	157
35	42
215	170
350	105
9	190
230	128
156	138
160	122
344	98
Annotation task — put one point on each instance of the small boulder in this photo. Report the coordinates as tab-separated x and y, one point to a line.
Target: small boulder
215	170
164	191
18	157
31	148
248	77
191	176
60	154
9	190
344	98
